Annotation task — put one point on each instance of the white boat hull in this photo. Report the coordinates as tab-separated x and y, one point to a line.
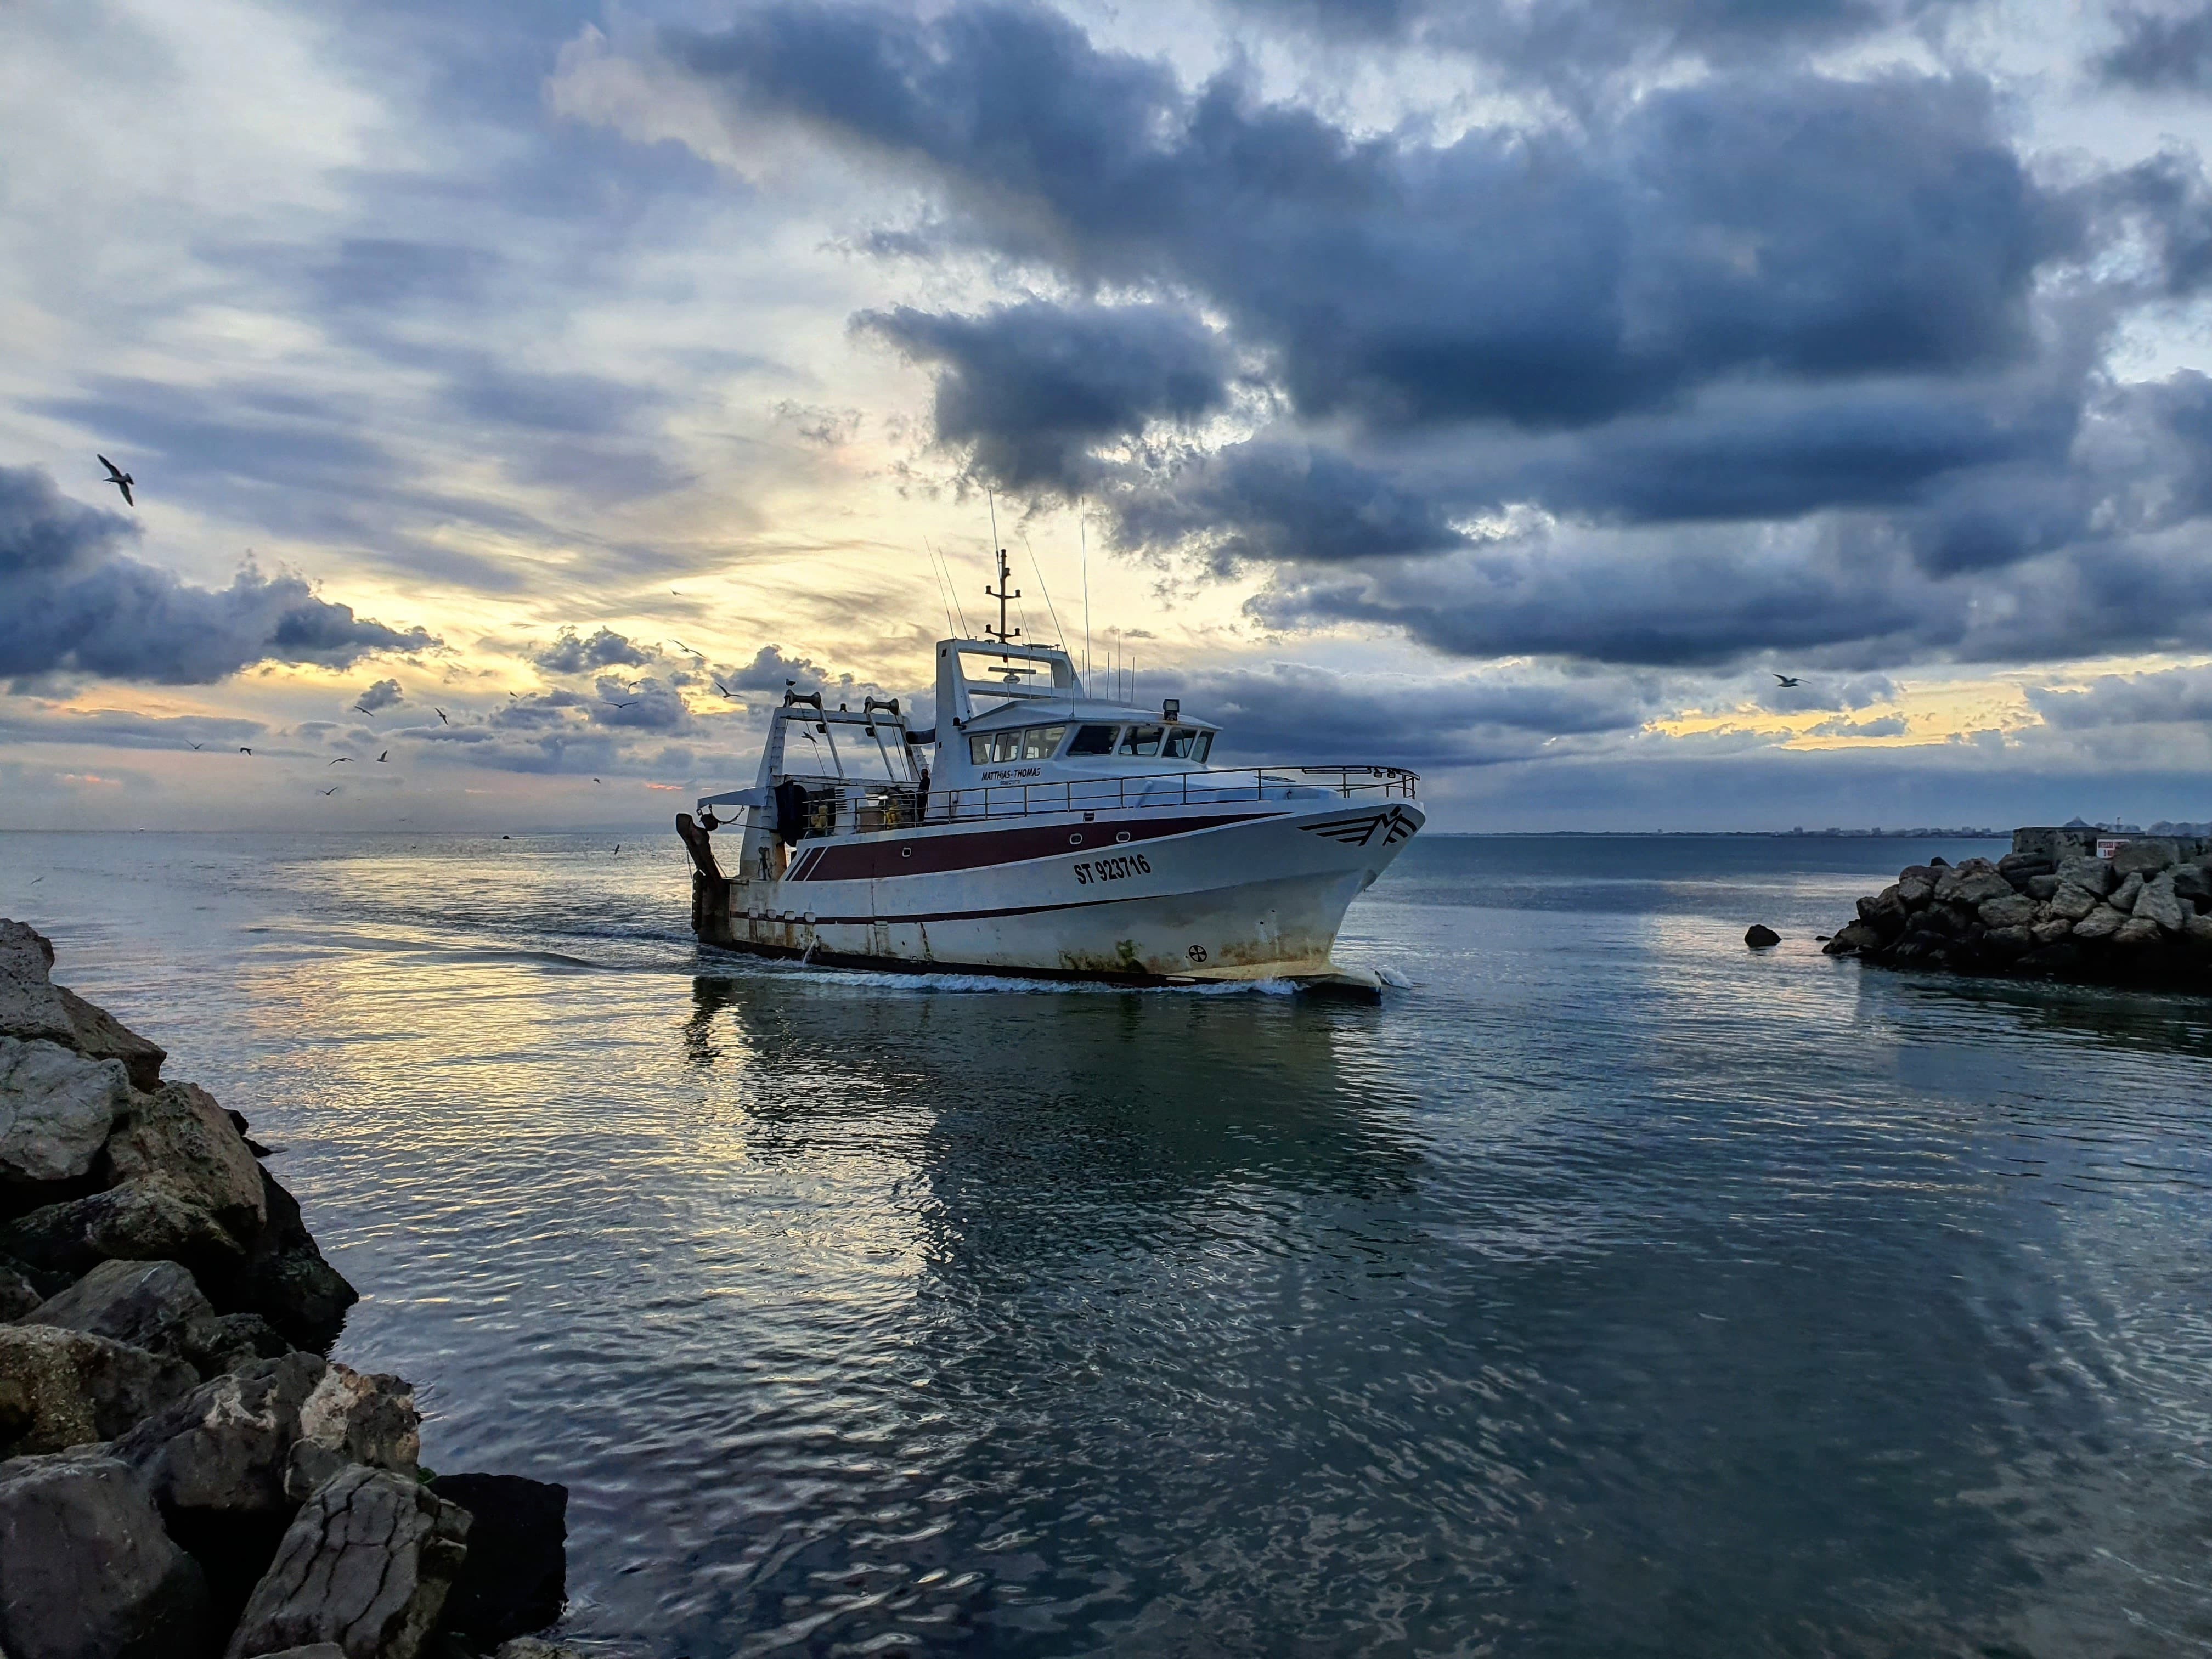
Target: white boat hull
1196	892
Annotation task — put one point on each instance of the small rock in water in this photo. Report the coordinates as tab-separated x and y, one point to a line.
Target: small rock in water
1759	937
515	1579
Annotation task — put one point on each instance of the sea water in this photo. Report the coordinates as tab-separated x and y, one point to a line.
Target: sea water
1609	1289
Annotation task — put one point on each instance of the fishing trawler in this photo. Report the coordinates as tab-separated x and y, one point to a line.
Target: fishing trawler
1036	829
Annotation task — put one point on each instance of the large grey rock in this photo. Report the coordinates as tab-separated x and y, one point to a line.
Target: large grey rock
1914	890
2051	929
1972	882
97	1033
2137	932
2041	887
178	1138
2013	910
2158	903
60	1389
148	1304
1884	912
259	1441
1854	937
138	1221
86	1570
2193	883
2197	931
2123	897
284	1279
366	1564
56	1109
33	1009
2101	923
2074	902
2007	941
2093	873
25	952
230	1342
2145	855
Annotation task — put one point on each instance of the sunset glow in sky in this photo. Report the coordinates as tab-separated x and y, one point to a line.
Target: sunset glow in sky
525	392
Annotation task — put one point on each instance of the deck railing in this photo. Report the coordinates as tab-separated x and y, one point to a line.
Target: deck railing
867	809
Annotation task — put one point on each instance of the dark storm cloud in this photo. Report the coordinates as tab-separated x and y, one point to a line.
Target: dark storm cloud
645	706
1286	709
382	695
2161	49
71	602
1274	500
605	649
1774	224
771	670
1033	387
1826	342
118	728
2162	698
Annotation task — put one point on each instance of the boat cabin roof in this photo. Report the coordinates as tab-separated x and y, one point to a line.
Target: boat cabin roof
1076	711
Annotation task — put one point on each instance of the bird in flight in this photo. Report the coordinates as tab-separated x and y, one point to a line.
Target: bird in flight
332	790
632	703
383	758
725	690
197	746
245	750
440	714
119	478
342	760
365	711
1786	678
595	779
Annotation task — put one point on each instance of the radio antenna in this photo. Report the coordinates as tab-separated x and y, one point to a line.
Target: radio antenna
1083	545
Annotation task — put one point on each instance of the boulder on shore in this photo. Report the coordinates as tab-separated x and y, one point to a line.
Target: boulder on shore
56	1109
515	1579
366	1564
178	1138
148	1304
61	1388
2050	907
88	1572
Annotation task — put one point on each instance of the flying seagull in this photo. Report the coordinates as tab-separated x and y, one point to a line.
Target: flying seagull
119	478
383	758
440	714
196	746
365	711
595	779
632	703
724	690
245	752
332	790
342	760
1786	678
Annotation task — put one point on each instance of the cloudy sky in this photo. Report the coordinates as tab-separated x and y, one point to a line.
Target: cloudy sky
524	393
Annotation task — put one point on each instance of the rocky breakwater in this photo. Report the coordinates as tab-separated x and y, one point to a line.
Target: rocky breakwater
186	1473
2058	906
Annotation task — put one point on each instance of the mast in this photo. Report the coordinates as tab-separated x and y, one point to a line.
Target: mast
1002	593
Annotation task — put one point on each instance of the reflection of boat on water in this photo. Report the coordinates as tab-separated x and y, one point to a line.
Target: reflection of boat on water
1047	832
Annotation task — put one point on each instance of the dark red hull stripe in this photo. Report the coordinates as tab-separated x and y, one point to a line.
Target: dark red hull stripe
968	915
934	856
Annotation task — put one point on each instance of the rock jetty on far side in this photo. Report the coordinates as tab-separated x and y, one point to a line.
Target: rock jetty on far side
2053	908
186	1474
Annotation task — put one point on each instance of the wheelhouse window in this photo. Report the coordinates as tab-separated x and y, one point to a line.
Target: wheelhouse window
1186	742
1093	740
1141	740
1024	743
